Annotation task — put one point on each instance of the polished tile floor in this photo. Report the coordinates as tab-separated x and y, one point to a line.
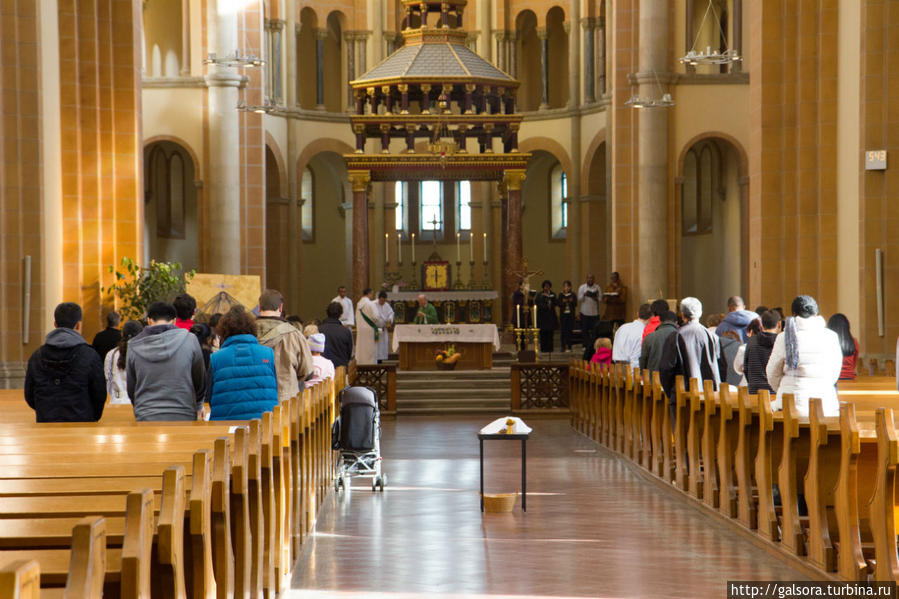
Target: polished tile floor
593	528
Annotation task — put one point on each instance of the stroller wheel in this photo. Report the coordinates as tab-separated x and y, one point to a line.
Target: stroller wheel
383	481
337	482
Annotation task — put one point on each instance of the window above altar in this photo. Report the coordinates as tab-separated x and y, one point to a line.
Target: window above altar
432	209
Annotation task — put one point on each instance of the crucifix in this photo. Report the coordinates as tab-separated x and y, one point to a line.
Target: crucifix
525	275
435	224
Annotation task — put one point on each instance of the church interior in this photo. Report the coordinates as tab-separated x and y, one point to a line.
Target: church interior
460	149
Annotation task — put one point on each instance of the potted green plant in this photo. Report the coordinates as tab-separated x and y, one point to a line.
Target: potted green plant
136	287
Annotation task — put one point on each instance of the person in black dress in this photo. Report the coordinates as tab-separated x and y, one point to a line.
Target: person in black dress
567	307
547	319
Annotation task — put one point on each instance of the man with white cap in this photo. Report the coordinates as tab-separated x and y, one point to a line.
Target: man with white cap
322	367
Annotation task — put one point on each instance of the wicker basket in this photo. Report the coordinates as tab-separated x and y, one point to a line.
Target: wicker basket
499	502
446	366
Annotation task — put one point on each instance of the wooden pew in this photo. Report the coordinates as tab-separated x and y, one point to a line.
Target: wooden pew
710	412
728	412
681	419
770	442
20	580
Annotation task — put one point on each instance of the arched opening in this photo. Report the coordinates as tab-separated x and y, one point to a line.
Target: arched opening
163	38
712	227
544	225
277	225
306	57
327	251
170	211
528	61
333	63
594	214
558	57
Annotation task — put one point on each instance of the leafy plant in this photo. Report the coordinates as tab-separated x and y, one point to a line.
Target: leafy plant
137	287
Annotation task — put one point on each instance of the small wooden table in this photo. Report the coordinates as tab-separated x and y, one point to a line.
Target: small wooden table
524	462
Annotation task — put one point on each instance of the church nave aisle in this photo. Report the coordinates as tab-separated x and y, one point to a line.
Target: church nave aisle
593	527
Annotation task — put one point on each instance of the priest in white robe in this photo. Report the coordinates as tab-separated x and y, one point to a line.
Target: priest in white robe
368	325
385	311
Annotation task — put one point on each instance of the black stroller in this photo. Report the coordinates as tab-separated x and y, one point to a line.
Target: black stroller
357	435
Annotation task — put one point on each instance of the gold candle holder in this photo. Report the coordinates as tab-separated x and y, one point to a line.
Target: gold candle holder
458	284
536	333
413	283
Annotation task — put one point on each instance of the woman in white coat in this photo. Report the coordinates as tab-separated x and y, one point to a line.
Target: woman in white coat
806	360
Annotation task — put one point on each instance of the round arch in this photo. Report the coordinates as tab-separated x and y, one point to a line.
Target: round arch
598	140
324	144
551	146
279	161
727	142
198	172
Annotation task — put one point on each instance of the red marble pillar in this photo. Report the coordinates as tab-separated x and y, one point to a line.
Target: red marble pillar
512	244
360	181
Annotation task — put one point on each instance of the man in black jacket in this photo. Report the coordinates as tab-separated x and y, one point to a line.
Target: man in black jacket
64	381
758	350
108	338
338	338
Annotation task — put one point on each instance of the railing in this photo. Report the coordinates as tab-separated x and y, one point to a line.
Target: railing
381	378
539	386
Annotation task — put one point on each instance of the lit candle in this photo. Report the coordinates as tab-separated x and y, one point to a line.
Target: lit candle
386	248
458	247
471	248
399	247
413	248
535	314
518	314
485	248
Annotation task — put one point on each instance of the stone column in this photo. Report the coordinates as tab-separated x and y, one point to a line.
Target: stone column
377	228
361	182
500	61
512	248
224	145
543	35
320	35
601	56
349	39
294	204
185	38
652	155
573	232
737	39
589	64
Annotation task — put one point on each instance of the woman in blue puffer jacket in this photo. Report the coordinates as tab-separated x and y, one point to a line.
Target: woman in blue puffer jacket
241	383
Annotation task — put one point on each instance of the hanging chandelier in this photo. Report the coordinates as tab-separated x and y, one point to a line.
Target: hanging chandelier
267	107
708	56
234	60
664	100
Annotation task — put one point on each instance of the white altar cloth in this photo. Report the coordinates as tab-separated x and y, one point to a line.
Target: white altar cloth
445	333
442	296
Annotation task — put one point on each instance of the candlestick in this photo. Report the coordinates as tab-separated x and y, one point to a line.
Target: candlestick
386	248
470	247
399	247
485	248
518	315
413	248
458	247
535	314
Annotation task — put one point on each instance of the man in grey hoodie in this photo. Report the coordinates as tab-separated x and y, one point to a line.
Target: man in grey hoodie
737	319
64	381
165	369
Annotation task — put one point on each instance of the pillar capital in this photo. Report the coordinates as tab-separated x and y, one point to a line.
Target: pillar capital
321	34
359	179
542	33
589	22
275	24
567	26
513	179
222	78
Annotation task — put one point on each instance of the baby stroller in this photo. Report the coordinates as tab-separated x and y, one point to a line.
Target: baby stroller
357	435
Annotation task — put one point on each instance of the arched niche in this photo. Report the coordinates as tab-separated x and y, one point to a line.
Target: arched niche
528	61
163	38
558	57
306	57
542	206
170	211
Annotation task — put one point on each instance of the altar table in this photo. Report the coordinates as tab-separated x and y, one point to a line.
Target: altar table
417	344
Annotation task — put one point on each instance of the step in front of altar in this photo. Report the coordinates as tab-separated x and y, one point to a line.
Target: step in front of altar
475	391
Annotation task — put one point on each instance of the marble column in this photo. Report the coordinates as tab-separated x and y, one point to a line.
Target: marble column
513	53
652	155
589	25
185	38
737	38
361	183
512	248
601	56
486	227
543	35
320	35
224	145
349	40
573	232
294	206
500	58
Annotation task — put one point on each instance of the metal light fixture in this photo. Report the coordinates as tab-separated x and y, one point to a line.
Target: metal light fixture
266	108
709	56
663	101
235	60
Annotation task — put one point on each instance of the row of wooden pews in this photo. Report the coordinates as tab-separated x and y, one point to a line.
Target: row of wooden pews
180	509
838	507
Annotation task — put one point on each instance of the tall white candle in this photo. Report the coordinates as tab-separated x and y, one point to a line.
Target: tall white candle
518	314
386	248
485	248
413	247
535	314
470	247
399	247
458	247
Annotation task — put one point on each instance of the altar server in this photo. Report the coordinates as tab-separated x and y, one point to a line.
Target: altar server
385	311
368	325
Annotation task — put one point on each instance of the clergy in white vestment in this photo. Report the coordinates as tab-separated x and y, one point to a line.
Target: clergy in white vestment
385	311
346	319
368	325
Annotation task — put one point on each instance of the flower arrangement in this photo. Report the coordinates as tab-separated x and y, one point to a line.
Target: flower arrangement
447	359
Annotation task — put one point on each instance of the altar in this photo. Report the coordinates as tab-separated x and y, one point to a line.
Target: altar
464	306
418	344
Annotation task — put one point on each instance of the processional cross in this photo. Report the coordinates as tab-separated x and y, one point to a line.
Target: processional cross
525	275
